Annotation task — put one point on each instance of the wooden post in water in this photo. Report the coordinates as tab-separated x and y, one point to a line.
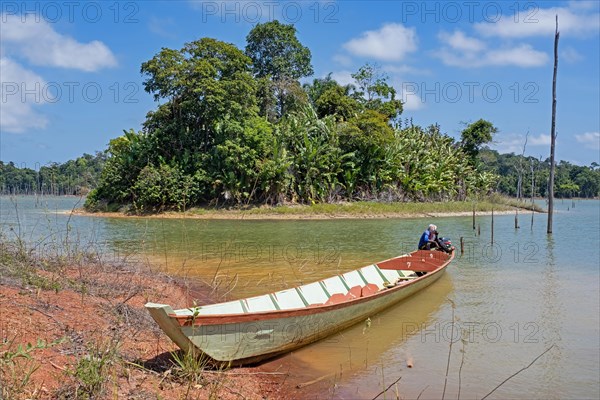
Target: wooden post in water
462	246
473	216
492	225
553	133
478	229
517	219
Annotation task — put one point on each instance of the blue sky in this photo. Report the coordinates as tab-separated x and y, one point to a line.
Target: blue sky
71	82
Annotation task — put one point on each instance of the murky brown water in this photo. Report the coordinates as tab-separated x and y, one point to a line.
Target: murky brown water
512	301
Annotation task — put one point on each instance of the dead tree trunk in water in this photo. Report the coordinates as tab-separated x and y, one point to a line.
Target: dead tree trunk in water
532	191
520	172
553	133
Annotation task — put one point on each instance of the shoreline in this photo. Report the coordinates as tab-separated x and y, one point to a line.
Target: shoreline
245	215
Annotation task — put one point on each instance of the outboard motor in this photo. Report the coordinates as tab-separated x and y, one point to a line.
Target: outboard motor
445	244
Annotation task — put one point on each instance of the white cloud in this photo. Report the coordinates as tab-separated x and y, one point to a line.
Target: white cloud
463	51
459	41
542	22
589	139
35	40
521	56
343	77
411	101
513	142
390	43
342	60
17	113
570	55
508	143
404	69
541	140
583	4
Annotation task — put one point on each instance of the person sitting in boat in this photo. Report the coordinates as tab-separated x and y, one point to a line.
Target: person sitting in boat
443	244
428	239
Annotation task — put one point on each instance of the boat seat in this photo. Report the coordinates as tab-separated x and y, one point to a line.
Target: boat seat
355	292
353	278
231	307
391	275
407	274
335	284
261	304
313	293
369	289
337	298
289	299
373	275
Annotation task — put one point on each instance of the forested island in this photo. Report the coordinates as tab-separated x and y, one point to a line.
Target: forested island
237	127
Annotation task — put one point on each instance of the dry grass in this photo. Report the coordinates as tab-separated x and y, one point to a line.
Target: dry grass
97	339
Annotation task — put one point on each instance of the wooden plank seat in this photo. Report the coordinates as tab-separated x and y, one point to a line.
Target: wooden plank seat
369	289
337	298
353	293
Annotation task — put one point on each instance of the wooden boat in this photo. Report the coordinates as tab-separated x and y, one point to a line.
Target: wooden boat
253	329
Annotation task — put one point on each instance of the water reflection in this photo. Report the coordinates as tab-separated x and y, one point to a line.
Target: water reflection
354	356
550	320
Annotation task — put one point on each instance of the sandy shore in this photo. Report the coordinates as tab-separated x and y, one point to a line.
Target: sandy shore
241	215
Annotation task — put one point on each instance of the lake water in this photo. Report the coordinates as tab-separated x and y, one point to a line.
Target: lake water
500	305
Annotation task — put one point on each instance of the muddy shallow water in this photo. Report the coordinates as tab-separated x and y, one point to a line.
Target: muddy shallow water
500	305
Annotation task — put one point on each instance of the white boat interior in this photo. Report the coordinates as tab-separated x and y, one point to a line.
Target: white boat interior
333	290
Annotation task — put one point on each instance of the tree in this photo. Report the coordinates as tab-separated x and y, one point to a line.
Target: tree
330	98
205	83
476	135
318	86
375	93
210	96
276	52
336	101
278	55
588	182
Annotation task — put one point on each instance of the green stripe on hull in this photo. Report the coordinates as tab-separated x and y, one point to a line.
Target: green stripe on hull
362	277
302	297
324	289
381	274
344	283
274	302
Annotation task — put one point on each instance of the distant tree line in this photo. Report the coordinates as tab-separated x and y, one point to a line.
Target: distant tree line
570	180
74	177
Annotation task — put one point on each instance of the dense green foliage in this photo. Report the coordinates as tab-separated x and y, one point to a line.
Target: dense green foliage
570	180
476	135
73	177
237	127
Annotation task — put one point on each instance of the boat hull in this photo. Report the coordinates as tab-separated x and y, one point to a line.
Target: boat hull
250	338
